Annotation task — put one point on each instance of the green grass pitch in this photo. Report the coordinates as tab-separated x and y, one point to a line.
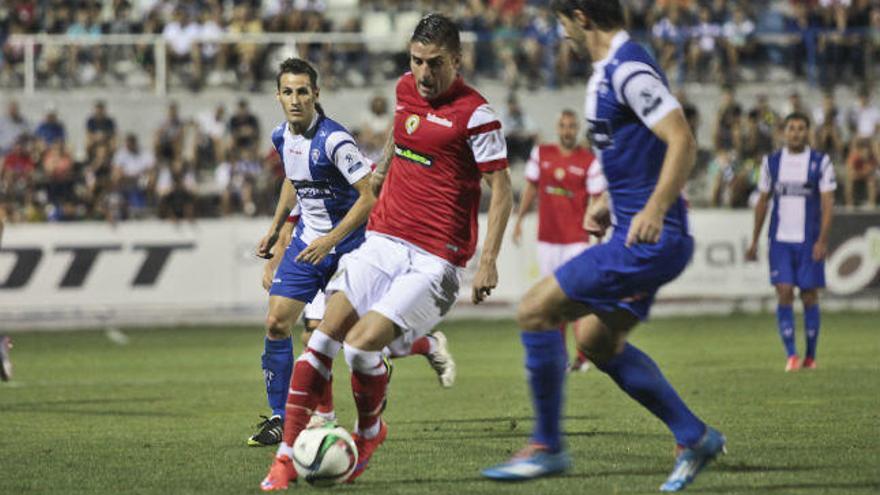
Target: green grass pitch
169	413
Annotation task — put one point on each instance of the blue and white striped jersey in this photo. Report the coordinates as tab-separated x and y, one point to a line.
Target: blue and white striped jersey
797	181
322	164
626	95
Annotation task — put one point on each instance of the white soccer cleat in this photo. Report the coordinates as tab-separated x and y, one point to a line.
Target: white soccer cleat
441	360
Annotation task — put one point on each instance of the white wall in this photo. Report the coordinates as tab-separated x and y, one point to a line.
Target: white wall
156	273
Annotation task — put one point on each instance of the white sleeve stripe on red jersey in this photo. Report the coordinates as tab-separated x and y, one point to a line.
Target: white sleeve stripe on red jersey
484	128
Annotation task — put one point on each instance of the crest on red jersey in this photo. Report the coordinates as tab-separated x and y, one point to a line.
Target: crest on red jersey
412	123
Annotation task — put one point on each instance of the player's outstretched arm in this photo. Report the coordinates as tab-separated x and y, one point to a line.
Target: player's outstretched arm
500	206
286	202
356	216
681	153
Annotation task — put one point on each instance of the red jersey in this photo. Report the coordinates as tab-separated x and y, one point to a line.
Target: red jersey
565	184
431	195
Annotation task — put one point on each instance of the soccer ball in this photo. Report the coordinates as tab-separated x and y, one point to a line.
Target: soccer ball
324	456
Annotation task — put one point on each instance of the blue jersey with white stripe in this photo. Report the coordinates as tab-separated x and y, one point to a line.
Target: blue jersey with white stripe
796	181
322	164
626	95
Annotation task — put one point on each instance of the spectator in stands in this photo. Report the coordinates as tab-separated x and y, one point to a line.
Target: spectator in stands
212	54
211	139
861	169
834	43
795	104
727	133
50	130
86	61
247	55
236	180
244	127
508	48
374	128
98	173
829	124
19	164
864	118
769	121
169	137
184	56
179	203
12	126
803	54
703	54
738	33
520	131
541	46
58	167
100	128
669	37
133	169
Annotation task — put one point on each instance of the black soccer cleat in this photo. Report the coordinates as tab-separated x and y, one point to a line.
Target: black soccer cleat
269	432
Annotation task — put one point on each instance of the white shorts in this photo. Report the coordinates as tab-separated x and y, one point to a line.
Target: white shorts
402	282
315	309
552	256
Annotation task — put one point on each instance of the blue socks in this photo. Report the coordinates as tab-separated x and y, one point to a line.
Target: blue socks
811	325
545	365
639	376
785	320
277	368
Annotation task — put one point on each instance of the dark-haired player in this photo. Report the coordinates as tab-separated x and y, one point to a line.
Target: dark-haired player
802	183
405	277
646	150
329	179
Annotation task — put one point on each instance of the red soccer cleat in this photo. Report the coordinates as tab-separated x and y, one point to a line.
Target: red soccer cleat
366	447
793	364
808	363
280	475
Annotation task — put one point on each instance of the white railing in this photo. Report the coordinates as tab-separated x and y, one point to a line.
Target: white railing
389	43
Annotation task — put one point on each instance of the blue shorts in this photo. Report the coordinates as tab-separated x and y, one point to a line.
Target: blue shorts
301	281
612	276
792	263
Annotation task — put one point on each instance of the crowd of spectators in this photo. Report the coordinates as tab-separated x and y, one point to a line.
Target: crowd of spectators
516	41
206	166
826	41
727	174
212	164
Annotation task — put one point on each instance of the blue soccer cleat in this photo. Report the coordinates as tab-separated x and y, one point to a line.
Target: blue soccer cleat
691	460
532	462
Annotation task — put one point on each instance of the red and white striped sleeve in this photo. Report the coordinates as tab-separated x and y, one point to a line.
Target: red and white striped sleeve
486	139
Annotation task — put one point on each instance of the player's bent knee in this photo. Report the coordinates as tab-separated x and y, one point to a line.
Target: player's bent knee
372	333
277	328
